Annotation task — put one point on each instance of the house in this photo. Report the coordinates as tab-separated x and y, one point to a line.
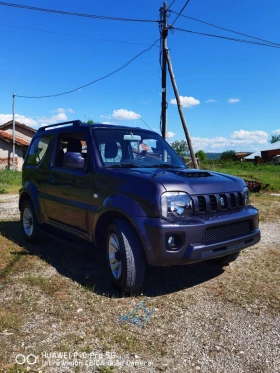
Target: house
23	136
265	155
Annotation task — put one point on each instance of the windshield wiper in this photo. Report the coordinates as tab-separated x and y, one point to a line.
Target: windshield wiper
123	165
162	165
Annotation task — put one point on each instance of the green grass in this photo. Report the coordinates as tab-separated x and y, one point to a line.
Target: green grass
267	174
10	181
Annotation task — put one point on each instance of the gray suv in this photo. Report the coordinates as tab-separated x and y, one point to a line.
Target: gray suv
128	193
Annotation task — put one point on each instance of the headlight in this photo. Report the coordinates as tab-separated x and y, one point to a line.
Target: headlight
177	204
247	196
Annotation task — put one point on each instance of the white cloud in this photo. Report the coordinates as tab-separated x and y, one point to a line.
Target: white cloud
186	101
145	102
60	116
240	140
249	137
105	116
39	121
123	114
170	134
233	100
62	110
106	123
276	132
210	101
4	118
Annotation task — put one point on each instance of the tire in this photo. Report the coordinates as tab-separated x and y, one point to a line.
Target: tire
125	257
225	260
28	221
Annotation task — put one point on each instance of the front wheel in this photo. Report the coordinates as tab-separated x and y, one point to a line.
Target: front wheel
125	257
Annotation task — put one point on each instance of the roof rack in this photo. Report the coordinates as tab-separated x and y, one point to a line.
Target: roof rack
75	123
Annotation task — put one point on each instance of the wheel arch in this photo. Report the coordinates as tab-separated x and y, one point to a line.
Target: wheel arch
107	218
30	192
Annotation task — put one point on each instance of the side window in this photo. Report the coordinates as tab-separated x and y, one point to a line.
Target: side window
111	152
71	151
37	150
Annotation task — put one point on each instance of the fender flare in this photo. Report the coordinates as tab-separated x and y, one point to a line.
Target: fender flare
121	205
29	191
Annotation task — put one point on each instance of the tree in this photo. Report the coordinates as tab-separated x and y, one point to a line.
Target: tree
90	121
201	155
228	155
274	138
181	148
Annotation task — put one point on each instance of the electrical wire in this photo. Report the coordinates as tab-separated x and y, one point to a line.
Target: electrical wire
227	38
28	7
223	28
96	80
76	36
178	15
171	5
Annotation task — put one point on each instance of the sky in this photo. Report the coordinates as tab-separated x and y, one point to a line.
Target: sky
230	91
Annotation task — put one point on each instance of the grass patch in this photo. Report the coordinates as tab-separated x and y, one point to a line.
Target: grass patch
50	286
10	320
10	181
268	206
255	280
267	174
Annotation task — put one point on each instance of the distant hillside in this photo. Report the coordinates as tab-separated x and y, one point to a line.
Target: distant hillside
213	155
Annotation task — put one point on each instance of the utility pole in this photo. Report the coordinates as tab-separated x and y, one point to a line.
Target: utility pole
164	33
181	113
14	142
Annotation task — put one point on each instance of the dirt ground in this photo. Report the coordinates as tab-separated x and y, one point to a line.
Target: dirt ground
59	313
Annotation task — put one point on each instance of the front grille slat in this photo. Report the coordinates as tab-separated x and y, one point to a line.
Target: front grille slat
227	232
217	202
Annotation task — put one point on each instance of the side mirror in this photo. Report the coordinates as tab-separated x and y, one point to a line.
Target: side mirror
74	160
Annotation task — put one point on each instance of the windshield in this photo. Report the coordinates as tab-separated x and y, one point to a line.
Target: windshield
135	148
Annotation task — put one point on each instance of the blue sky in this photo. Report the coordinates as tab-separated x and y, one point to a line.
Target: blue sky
230	90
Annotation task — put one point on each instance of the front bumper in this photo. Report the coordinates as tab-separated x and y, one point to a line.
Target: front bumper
230	231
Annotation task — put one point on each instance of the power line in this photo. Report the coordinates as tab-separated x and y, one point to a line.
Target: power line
76	36
178	15
171	5
227	38
97	80
223	28
28	7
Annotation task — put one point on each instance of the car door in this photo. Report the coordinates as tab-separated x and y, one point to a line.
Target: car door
69	189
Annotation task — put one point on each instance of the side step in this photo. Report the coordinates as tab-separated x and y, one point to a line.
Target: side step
66	238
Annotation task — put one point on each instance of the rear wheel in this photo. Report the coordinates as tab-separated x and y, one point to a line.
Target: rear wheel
28	220
225	260
125	257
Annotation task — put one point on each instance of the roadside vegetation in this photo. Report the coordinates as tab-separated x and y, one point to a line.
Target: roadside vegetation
265	173
10	181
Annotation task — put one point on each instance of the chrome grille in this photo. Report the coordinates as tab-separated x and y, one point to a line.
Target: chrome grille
217	202
227	232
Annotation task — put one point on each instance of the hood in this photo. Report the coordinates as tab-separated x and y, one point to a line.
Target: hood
190	181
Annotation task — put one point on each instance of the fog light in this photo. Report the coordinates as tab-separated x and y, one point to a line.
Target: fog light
171	242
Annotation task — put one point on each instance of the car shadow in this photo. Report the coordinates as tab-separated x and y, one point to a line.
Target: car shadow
88	268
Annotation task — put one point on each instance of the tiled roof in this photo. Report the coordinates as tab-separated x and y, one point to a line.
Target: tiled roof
9	138
17	124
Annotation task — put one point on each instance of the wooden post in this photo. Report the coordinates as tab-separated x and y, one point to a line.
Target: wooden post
181	113
163	77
